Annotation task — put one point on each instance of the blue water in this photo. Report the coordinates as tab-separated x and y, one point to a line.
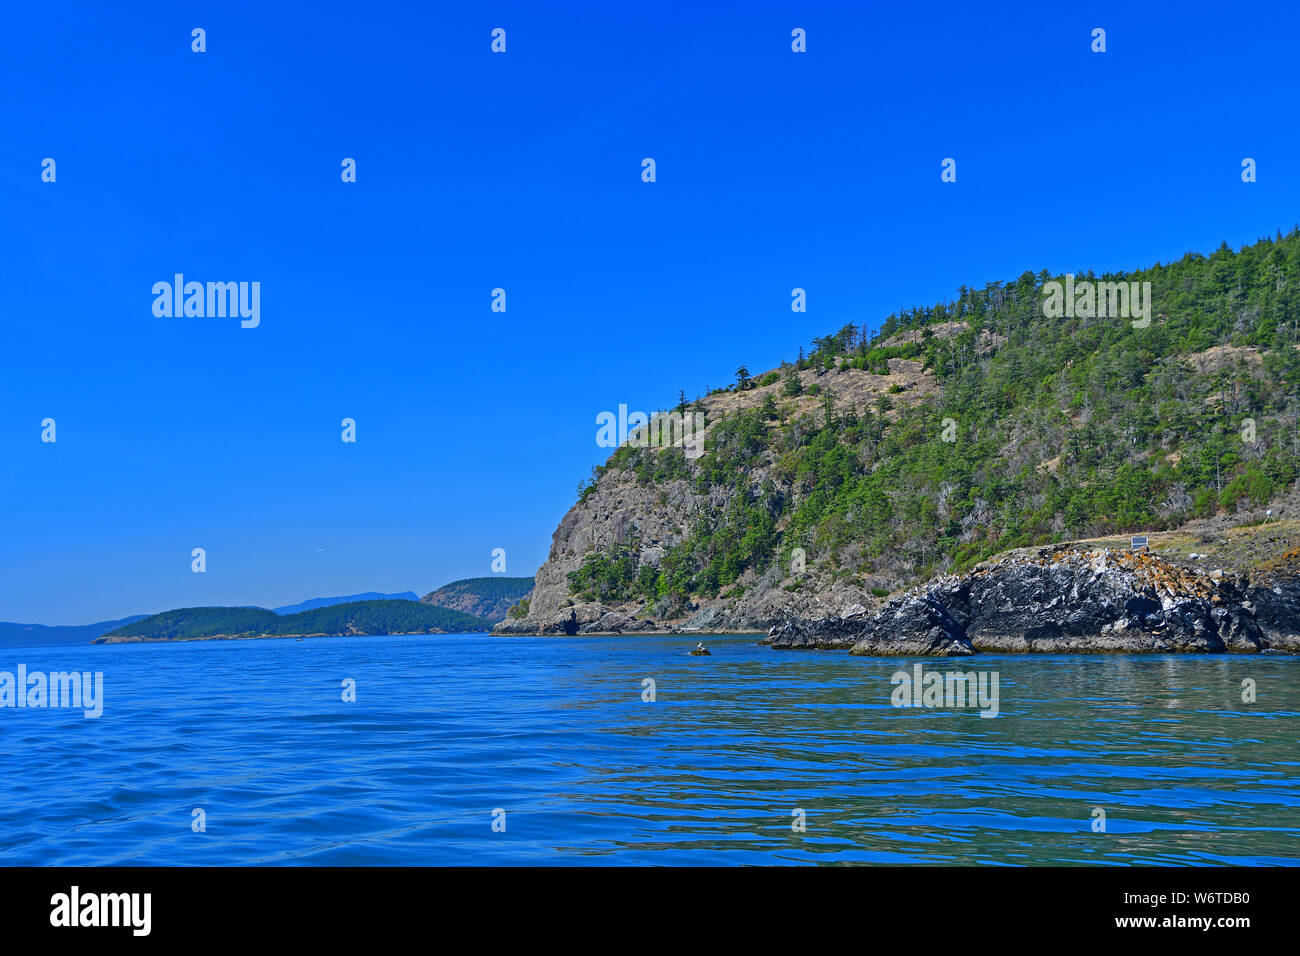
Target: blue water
555	732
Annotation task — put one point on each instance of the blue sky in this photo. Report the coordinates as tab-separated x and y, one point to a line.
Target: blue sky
522	170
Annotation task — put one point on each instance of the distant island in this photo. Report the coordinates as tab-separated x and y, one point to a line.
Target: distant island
469	605
355	618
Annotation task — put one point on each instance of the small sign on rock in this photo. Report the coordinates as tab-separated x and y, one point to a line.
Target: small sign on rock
1139	542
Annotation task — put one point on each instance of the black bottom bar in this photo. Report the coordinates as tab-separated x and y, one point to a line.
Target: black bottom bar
333	906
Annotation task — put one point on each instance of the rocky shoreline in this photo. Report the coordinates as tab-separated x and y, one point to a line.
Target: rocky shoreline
594	620
1072	601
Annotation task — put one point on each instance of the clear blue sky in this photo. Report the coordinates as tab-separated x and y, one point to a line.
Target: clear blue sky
522	170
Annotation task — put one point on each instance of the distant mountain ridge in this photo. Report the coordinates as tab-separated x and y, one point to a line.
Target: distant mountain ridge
488	598
312	603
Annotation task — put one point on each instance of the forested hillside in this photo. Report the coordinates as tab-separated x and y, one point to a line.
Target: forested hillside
955	432
489	598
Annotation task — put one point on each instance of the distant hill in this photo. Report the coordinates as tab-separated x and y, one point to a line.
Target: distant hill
39	635
488	598
313	603
355	618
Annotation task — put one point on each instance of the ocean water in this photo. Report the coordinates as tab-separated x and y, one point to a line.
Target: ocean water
446	731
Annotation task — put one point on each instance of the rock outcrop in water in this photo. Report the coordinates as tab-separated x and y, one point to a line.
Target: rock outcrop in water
1071	601
622	510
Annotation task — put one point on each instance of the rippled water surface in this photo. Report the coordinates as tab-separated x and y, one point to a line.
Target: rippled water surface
447	730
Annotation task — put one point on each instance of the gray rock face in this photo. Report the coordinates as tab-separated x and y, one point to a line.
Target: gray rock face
619	510
916	624
1068	602
831	632
823	634
620	507
662	513
702	618
1276	608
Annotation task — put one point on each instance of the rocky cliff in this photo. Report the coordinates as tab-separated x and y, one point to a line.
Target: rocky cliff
623	510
